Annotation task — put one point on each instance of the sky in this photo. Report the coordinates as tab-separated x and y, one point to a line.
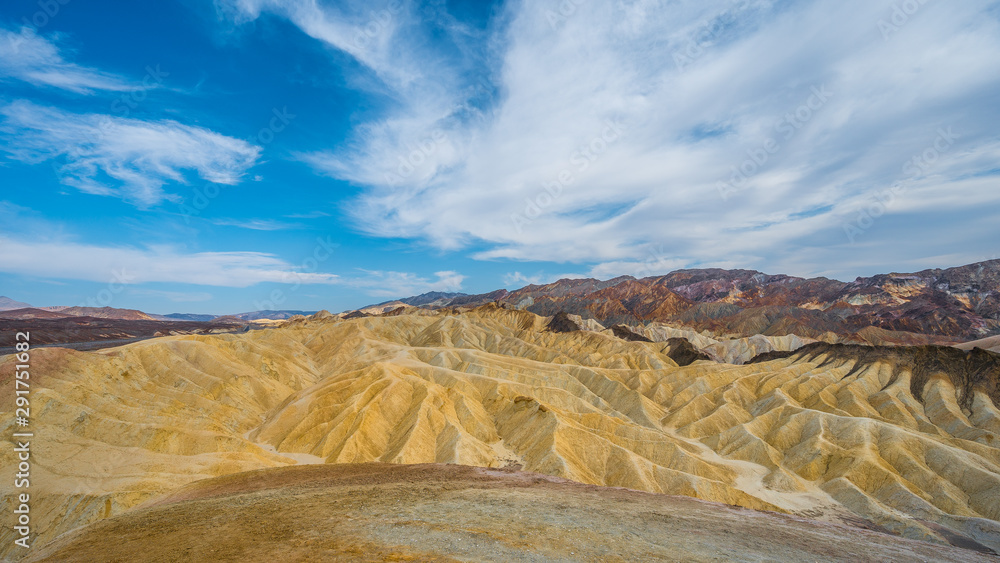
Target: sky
238	155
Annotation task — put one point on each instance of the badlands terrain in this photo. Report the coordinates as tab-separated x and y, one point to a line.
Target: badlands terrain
846	444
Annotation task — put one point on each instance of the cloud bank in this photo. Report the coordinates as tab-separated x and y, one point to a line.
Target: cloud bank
781	135
129	266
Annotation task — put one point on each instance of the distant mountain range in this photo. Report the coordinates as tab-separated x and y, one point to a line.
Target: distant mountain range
30	313
930	306
90	328
66	312
959	304
250	316
11	309
185	317
6	304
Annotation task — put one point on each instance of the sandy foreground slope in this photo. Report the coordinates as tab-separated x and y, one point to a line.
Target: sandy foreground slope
382	512
823	436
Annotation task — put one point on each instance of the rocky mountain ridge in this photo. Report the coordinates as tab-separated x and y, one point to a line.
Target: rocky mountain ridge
929	307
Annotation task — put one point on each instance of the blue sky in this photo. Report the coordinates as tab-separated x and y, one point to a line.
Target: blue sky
246	154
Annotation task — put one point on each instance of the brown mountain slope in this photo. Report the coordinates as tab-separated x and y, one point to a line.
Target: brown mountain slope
31	313
106	313
381	512
72	331
945	306
830	433
627	301
562	288
749	287
6	304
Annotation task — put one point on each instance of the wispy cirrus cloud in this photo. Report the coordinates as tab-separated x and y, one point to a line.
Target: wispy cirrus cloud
37	60
370	33
308	215
122	157
24	237
518	280
175	296
257	224
139	265
417	60
698	89
379	283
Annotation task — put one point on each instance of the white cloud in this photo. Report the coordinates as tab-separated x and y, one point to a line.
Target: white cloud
352	27
175	296
29	57
512	280
697	88
517	279
414	59
256	224
133	266
654	264
391	284
122	157
308	215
